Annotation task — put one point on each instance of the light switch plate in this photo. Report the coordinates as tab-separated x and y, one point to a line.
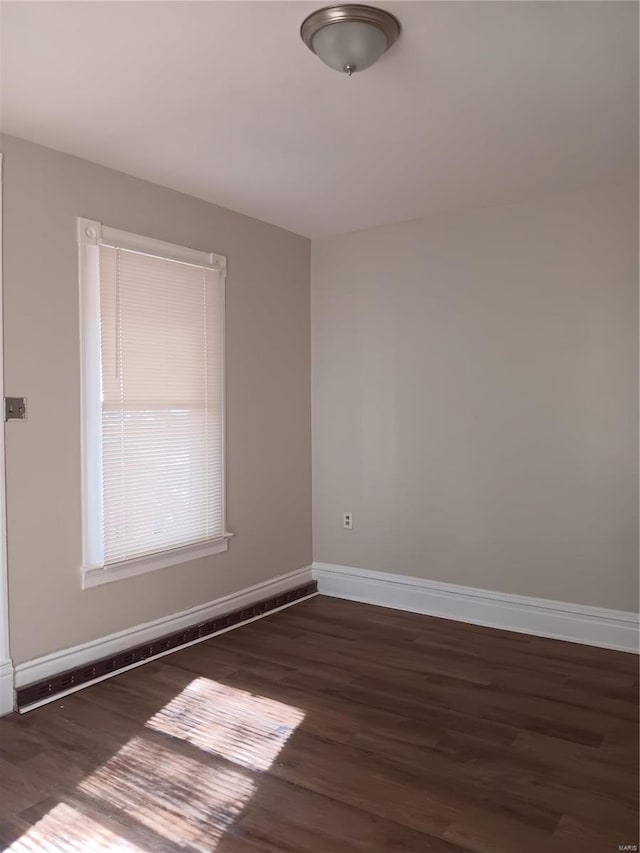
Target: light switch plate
15	409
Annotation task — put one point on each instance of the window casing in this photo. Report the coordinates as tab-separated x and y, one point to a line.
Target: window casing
152	332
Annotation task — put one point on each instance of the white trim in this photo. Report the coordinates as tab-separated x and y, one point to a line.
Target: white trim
90	397
91	234
140	566
6	688
560	620
57	662
6	666
223	285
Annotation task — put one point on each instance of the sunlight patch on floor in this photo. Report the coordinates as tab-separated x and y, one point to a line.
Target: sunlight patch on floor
239	726
181	799
64	829
184	779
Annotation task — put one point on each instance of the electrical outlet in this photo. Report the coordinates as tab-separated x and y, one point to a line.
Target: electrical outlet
347	521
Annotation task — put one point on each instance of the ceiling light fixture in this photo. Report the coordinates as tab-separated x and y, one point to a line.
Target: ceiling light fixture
349	37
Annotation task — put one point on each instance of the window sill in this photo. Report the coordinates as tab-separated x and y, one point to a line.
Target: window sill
142	565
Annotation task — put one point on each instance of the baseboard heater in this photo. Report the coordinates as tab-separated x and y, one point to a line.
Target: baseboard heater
47	689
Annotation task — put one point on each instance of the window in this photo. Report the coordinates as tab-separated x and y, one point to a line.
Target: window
152	318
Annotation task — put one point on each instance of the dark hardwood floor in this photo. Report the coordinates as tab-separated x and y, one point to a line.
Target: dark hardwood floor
335	727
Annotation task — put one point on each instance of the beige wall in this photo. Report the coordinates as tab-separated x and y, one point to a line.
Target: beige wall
268	398
475	398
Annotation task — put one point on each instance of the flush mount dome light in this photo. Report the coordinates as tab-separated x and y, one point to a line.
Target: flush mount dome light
349	37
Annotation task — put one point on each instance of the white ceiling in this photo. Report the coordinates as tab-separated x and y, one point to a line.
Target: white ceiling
477	103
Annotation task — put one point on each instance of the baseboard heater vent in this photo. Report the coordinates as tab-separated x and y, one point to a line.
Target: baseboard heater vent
49	688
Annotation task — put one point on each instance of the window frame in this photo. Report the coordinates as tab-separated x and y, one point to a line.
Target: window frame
91	235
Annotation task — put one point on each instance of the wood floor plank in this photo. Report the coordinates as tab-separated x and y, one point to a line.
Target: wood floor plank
335	727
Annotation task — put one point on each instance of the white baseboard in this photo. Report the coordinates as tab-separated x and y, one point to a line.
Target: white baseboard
6	687
560	620
77	656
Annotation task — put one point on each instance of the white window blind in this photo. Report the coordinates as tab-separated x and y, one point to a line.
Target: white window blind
160	448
